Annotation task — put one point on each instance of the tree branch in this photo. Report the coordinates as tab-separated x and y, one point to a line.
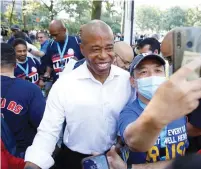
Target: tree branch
45	4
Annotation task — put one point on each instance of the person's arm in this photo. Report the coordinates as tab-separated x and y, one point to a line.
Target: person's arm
157	165
48	71
36	52
48	62
174	99
36	107
39	154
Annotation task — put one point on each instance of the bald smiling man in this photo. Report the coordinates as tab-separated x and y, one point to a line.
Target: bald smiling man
123	55
88	100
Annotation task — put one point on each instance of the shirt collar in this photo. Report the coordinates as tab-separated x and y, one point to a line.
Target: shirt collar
44	43
86	74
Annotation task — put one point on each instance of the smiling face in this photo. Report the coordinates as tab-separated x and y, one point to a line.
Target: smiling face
98	49
41	38
21	52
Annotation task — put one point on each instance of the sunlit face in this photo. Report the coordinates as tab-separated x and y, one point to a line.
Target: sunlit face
121	62
148	68
58	35
98	49
21	52
41	38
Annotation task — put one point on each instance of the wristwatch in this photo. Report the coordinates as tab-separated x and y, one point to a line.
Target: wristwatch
30	50
129	166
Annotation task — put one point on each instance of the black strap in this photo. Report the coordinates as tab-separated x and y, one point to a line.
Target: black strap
7	89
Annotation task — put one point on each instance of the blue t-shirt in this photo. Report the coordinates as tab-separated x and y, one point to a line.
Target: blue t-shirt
53	58
33	70
174	137
22	107
43	47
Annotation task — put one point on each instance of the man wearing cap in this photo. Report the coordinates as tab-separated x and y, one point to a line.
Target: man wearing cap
15	29
123	55
147	74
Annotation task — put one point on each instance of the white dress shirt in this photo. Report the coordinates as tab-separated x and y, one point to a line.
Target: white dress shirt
91	110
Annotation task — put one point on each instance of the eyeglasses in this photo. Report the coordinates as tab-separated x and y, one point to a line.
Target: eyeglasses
40	37
124	61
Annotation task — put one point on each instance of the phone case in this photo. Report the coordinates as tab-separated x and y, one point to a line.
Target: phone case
186	46
93	158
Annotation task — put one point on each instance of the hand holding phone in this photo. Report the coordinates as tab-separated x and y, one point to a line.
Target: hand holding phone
95	162
186	47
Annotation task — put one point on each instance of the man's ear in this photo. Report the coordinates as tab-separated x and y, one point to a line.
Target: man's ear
132	81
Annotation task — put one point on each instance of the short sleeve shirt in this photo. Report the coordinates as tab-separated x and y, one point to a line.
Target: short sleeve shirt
175	137
53	59
33	68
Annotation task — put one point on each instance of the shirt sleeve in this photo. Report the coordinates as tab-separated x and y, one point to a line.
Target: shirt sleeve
127	116
36	107
195	117
48	132
44	48
38	65
28	40
48	57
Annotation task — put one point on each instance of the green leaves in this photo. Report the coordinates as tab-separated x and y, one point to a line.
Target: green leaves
154	19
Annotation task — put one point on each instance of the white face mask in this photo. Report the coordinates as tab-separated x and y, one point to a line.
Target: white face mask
147	86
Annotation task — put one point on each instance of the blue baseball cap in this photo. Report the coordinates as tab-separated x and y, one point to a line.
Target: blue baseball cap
139	58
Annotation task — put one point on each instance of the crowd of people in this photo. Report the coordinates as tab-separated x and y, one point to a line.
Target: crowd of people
93	93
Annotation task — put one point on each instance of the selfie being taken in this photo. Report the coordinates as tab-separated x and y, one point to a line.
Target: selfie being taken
105	84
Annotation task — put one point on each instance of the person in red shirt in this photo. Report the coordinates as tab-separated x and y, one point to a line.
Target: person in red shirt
9	161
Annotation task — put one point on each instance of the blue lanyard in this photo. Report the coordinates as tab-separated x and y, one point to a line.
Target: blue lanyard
61	54
26	72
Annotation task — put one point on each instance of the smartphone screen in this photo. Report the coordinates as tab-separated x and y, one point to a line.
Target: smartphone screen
95	162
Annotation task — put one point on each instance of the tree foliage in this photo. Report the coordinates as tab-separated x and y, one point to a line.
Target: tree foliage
96	9
39	13
154	19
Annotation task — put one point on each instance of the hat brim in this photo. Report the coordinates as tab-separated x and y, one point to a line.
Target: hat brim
151	56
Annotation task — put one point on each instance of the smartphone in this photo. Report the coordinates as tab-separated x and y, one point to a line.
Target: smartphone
186	47
95	162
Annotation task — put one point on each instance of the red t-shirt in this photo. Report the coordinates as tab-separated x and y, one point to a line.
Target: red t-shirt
9	161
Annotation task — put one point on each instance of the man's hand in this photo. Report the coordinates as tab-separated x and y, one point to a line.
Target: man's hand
30	165
47	74
115	161
41	83
177	97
